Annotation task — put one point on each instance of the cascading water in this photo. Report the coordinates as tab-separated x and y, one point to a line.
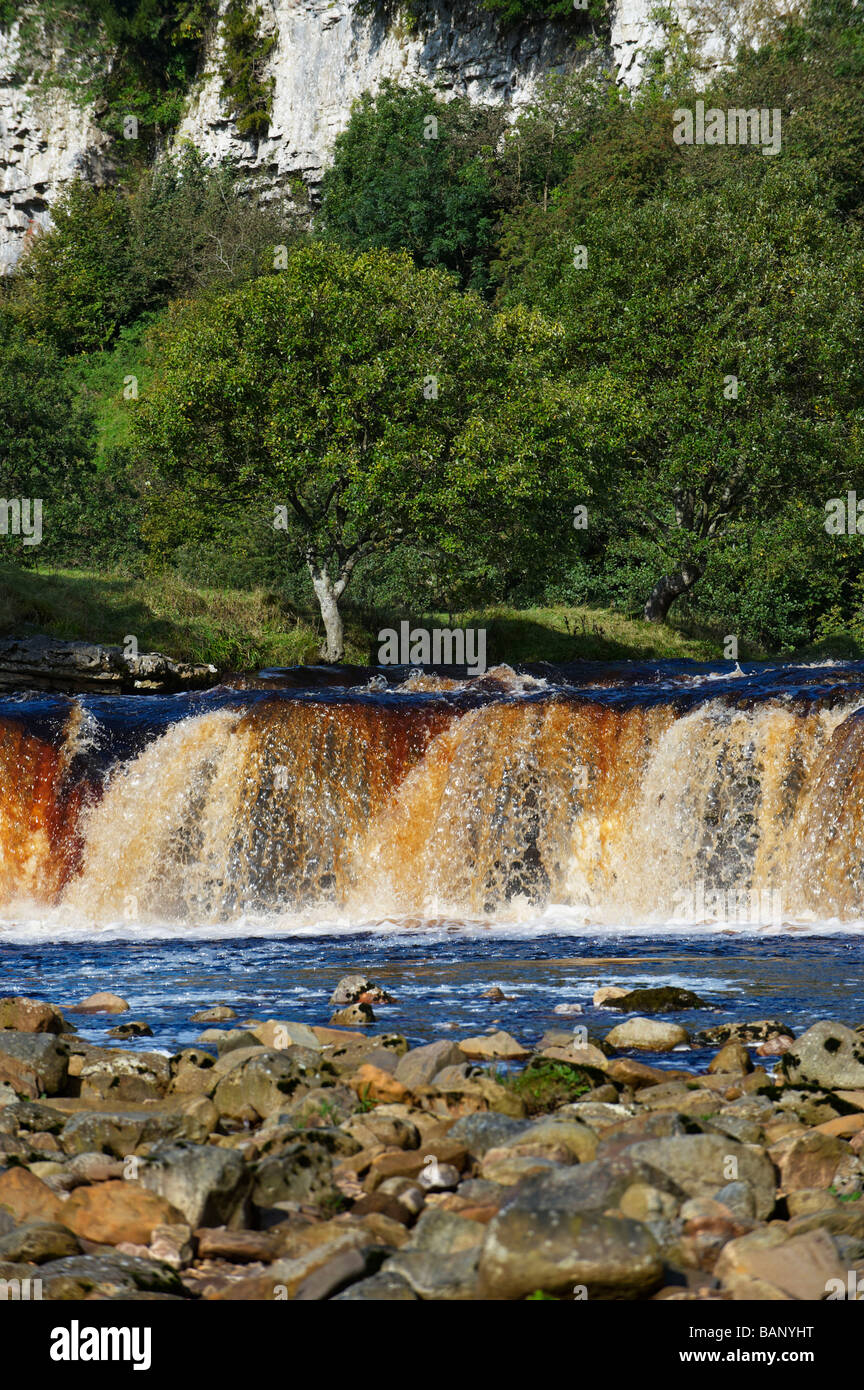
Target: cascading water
620	796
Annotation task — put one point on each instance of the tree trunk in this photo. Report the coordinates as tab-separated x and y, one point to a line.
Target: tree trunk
667	589
328	594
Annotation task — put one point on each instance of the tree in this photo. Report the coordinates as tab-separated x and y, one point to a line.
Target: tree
47	438
360	402
112	254
414	171
195	224
76	280
714	334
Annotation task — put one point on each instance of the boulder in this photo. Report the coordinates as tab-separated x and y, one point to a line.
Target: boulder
647	1034
214	1013
561	1138
29	1117
275	1033
444	1233
372	1083
494	1046
33	1064
260	1084
603	997
122	1132
767	1264
27	1198
437	1278
827	1055
32	1016
757	1030
809	1161
349	989
701	1163
666	999
208	1185
133	1029
110	1213
236	1246
103	1002
732	1058
534	1247
108	1276
354	1016
35	1242
486	1130
421	1065
302	1172
284	1278
125	1076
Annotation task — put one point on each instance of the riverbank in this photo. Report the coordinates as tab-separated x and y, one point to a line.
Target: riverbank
243	630
279	1160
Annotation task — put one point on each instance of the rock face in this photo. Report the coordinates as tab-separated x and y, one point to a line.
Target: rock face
50	664
326	55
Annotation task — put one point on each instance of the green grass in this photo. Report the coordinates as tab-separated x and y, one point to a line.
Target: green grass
590	634
241	630
234	630
101	377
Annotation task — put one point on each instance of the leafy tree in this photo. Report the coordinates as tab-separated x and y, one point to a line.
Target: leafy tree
196	225
112	255
77	279
814	72
360	403
46	439
714	334
416	172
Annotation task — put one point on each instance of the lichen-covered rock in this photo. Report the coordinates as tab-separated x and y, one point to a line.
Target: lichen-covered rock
208	1185
33	1064
827	1055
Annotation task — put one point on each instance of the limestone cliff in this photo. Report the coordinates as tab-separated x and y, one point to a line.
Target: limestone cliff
325	55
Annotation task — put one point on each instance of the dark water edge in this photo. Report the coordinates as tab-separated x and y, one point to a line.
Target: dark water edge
438	978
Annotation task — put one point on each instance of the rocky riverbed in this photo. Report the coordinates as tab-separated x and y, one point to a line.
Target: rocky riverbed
279	1160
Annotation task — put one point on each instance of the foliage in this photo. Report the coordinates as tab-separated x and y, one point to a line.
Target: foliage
746	281
415	172
46	440
594	12
368	400
543	1085
246	89
197	226
157	46
112	254
77	280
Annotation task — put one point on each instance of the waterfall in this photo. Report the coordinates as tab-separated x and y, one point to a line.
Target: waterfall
626	799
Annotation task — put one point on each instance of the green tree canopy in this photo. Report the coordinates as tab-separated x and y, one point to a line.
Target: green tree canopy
714	335
46	438
412	171
359	402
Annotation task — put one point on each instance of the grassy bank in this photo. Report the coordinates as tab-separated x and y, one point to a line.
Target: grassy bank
245	629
